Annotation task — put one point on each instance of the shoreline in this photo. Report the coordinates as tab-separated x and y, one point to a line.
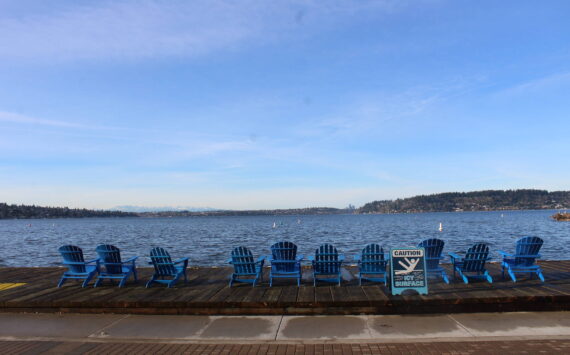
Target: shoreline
199	214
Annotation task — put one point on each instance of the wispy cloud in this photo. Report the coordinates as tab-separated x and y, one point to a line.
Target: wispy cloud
536	85
154	28
23	119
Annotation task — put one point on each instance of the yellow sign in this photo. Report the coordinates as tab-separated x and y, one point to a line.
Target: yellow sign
7	286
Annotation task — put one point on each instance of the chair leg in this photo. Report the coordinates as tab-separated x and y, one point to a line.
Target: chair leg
444	277
123	281
173	281
539	274
87	280
489	278
61	281
512	275
98	282
135	274
465	279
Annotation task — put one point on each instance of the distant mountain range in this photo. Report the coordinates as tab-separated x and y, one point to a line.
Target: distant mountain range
140	209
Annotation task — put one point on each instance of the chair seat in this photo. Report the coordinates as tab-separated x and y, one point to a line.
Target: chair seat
511	263
124	269
88	270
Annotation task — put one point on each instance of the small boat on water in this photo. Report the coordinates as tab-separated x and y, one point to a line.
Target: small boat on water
561	216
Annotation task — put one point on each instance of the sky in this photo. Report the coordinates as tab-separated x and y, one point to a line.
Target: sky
280	104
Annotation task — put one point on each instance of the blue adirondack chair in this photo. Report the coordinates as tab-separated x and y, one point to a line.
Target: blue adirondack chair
434	248
326	264
114	268
246	269
166	271
285	263
473	264
372	264
524	259
78	268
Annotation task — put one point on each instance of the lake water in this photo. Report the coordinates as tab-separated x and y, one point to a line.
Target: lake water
209	240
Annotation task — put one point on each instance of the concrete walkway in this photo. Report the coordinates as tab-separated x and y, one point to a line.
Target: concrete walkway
284	329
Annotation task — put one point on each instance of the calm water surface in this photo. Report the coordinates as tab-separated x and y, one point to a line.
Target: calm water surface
209	240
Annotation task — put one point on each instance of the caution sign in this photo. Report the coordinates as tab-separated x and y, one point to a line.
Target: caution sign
408	270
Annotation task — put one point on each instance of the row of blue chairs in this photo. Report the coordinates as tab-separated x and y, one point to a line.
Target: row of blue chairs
372	262
110	266
286	263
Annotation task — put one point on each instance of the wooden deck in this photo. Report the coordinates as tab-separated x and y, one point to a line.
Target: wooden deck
207	293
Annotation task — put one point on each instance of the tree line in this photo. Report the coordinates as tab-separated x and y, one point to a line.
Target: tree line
488	200
24	211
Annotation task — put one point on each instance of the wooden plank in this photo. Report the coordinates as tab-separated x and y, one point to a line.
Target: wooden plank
207	292
323	294
271	295
288	295
306	295
376	293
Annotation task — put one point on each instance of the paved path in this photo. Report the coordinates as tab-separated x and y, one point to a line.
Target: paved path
457	333
456	348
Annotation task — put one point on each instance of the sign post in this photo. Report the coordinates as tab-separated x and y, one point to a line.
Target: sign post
408	270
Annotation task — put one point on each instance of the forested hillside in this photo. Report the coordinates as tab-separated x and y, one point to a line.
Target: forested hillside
23	211
473	201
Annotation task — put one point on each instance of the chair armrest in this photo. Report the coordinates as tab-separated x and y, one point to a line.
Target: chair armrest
340	257
260	260
453	257
357	257
299	257
526	256
504	254
229	260
311	258
92	261
133	259
181	260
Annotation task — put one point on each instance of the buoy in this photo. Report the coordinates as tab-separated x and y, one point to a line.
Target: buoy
440	227
274	225
298	221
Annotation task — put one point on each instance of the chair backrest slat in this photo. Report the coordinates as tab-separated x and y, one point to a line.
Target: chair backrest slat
372	259
242	260
527	250
162	262
73	254
283	251
476	257
110	257
433	249
326	260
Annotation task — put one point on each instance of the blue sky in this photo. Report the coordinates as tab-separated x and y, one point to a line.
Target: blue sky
278	104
